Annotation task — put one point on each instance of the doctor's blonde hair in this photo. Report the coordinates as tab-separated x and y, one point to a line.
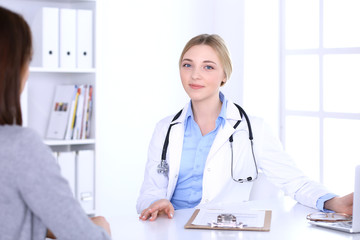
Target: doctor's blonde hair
215	42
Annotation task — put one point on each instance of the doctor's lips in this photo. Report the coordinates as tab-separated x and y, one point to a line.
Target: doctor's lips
195	86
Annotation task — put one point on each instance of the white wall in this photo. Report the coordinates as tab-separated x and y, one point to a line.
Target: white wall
261	60
139	43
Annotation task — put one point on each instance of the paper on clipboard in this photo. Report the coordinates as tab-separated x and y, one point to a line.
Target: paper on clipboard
250	218
253	220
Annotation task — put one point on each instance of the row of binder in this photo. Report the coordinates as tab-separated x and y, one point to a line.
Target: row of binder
71	112
78	169
63	38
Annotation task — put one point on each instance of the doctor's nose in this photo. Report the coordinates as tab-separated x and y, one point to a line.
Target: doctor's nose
195	74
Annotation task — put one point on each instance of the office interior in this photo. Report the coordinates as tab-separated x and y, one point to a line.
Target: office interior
299	75
295	63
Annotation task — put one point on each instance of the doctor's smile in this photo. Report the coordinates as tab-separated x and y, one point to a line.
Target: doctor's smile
196	86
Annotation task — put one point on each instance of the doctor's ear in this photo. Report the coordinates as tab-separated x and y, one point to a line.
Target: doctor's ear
223	83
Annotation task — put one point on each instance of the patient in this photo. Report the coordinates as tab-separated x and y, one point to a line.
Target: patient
35	200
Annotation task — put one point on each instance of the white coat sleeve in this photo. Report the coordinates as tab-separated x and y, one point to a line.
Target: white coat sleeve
281	170
154	186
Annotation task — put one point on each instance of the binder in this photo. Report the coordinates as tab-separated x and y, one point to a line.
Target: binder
55	154
67	38
66	161
83	121
45	27
89	112
79	113
84	39
60	111
24	104
86	179
72	116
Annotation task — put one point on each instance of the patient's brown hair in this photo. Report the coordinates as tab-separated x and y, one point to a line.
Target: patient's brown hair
15	55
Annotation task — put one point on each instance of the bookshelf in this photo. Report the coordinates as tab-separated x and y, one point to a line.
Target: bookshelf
37	97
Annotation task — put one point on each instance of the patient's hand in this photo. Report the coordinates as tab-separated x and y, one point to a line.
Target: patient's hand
162	206
101	221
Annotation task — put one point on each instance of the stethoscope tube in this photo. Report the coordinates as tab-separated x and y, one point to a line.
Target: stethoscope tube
251	137
163	167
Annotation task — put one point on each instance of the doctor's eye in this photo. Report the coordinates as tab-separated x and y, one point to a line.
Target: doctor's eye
186	65
208	67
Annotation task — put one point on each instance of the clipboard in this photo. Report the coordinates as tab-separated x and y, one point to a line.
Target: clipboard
264	228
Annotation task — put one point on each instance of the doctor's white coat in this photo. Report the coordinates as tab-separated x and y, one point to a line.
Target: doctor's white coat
218	186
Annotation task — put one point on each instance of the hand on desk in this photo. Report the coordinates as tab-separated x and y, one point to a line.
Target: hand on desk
162	206
101	222
341	204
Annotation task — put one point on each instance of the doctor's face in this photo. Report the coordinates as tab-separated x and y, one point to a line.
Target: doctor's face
201	73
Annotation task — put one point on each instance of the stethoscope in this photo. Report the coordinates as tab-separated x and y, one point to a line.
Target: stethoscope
163	167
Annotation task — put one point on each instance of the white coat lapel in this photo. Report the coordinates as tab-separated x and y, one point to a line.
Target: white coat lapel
175	151
221	138
232	116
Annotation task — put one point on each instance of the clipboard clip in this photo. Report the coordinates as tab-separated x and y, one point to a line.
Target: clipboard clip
226	220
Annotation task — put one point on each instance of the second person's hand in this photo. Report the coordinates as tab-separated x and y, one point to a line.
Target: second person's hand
162	206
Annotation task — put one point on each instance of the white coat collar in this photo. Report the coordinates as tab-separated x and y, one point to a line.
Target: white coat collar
232	113
232	116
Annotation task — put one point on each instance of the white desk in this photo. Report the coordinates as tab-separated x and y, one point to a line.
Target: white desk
288	222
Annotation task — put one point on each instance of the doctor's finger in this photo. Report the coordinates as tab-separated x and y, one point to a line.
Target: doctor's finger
145	214
154	216
170	211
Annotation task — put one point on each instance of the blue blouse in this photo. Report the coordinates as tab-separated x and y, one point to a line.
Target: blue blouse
188	190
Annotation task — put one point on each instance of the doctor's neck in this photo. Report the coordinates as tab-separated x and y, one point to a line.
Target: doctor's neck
206	113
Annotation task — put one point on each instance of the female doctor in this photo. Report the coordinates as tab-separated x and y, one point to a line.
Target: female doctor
208	156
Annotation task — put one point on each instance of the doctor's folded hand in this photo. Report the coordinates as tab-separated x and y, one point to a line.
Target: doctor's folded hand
162	206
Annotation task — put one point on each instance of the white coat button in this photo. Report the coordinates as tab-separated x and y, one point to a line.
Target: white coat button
176	176
209	169
206	200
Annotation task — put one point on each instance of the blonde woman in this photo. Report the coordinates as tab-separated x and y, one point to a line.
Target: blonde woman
211	152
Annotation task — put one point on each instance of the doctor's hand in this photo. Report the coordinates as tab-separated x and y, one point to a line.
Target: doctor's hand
162	206
341	204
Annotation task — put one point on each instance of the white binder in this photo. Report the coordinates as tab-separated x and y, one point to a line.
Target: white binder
84	39
67	165
67	38
45	27
85	179
24	104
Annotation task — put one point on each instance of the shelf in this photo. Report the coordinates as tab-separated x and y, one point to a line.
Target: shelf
62	70
69	142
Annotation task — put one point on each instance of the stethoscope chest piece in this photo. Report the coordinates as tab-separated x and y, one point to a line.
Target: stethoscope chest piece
163	167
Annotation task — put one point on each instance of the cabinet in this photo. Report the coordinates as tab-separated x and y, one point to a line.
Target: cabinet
39	91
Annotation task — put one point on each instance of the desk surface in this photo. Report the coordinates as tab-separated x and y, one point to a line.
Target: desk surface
288	222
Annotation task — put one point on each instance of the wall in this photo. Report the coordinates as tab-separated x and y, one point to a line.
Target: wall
139	43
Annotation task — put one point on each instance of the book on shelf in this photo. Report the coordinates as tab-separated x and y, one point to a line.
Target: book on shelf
73	123
60	112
